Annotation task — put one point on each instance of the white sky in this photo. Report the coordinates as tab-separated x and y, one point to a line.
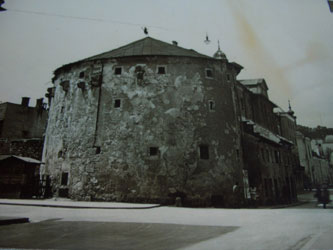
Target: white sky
287	42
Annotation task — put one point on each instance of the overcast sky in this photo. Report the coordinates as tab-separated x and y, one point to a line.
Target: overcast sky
287	42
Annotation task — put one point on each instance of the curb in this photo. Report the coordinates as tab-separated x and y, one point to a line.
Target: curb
8	221
76	207
291	205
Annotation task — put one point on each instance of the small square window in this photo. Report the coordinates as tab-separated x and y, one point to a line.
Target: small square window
64	179
117	71
209	73
81	75
153	151
161	70
117	103
204	152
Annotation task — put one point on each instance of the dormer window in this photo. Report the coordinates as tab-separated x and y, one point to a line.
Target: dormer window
161	70
118	70
209	73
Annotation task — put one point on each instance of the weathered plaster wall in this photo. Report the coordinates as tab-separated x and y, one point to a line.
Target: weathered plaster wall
170	111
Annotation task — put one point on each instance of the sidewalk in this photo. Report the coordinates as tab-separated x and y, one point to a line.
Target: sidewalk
67	203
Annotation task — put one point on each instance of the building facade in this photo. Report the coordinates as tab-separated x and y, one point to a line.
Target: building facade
322	160
268	141
146	122
151	121
306	160
22	128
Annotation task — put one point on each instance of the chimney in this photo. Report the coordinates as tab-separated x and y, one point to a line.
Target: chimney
25	101
39	103
175	43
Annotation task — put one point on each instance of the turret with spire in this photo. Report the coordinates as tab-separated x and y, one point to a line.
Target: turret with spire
290	111
219	54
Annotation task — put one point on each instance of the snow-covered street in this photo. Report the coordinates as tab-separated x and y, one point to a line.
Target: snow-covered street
303	227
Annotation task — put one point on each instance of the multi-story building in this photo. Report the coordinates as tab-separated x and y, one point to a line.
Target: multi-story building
268	140
322	160
21	145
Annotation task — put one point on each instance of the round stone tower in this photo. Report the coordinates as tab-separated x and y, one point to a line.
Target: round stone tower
147	122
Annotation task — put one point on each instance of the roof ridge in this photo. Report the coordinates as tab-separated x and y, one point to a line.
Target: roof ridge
114	49
146	46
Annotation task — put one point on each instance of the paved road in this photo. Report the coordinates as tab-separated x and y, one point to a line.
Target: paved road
54	234
296	228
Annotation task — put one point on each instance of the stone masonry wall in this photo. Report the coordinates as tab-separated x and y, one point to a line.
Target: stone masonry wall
106	149
32	148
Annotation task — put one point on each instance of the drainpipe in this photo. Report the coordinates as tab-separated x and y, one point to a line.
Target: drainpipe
98	104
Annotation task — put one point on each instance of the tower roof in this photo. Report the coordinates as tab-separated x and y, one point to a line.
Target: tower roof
144	47
147	47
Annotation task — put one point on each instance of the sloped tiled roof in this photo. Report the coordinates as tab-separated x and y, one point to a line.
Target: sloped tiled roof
252	81
148	47
25	159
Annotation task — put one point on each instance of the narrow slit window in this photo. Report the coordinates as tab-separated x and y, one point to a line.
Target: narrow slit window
204	152
228	77
118	71
211	105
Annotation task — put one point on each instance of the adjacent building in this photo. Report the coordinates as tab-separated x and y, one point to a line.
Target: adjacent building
268	141
21	145
22	128
322	151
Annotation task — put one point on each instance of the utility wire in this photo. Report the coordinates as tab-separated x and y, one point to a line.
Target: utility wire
85	18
